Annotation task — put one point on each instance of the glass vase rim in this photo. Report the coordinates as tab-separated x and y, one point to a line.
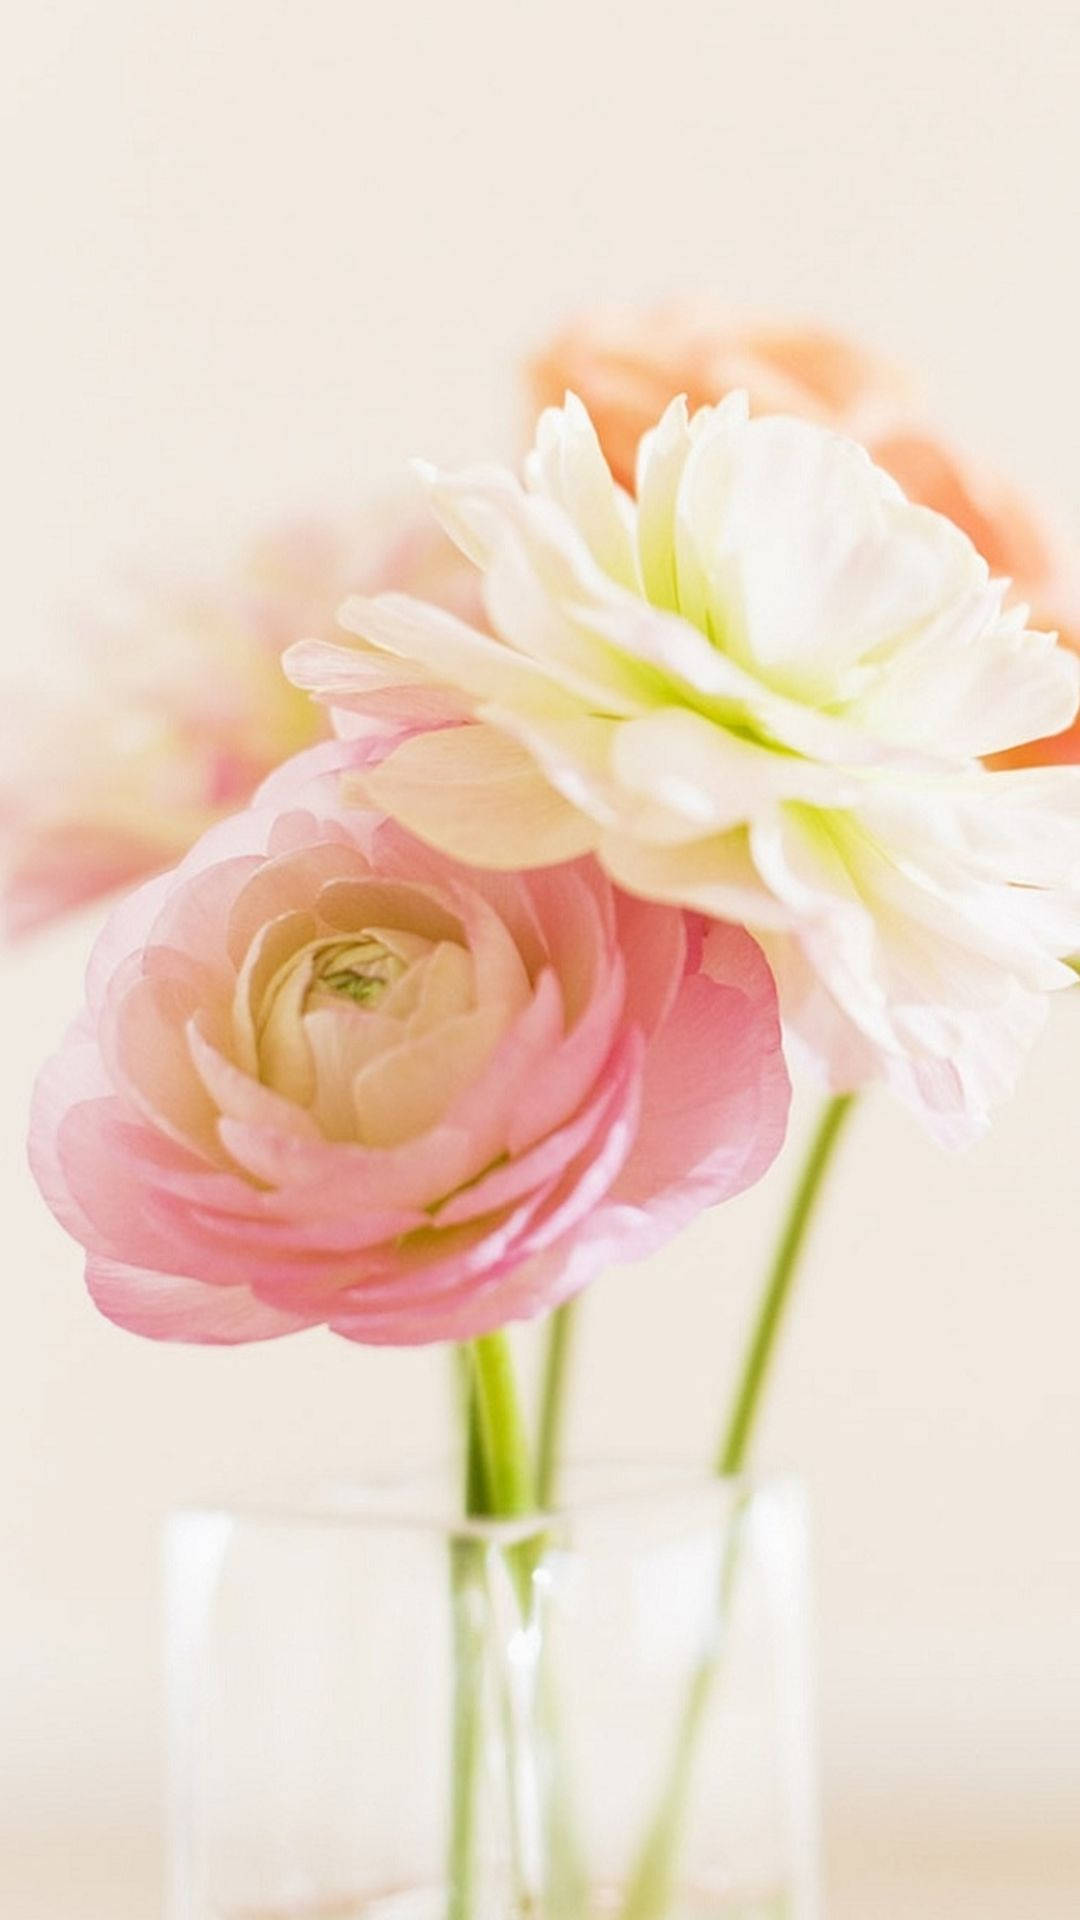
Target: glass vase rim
406	1501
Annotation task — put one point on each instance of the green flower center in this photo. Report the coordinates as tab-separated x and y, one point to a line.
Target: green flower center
358	970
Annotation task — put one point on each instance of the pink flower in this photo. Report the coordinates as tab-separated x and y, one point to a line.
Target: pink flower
627	363
328	1076
171	712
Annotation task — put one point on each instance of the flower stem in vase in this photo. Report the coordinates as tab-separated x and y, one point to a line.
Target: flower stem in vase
468	1608
498	1485
566	1884
560	1335
651	1884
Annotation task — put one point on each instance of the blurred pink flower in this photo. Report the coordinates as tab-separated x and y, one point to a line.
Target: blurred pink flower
170	714
627	363
328	1076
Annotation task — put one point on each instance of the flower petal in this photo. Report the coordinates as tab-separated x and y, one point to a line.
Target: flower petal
479	797
163	1306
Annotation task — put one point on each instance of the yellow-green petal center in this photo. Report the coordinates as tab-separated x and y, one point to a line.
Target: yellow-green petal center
360	970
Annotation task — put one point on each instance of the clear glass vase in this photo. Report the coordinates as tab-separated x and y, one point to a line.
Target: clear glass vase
379	1711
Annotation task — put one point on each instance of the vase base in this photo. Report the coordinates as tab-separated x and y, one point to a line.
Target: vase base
431	1903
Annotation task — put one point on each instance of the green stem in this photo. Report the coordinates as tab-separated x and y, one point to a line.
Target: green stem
498	1484
515	1492
560	1334
467	1580
503	1435
477	1491
466	1572
650	1887
566	1881
740	1428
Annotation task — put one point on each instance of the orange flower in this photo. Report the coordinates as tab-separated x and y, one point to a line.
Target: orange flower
626	364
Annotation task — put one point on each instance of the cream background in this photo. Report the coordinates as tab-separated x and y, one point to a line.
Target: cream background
257	255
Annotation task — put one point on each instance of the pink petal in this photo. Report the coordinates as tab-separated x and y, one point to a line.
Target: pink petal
147	1055
72	1077
564	1076
311	778
392	690
194	917
653	941
287	884
258	1248
512	1178
349	905
108	1184
165	1307
309	1173
507	894
716	1092
572	918
125	932
437	1289
491	1109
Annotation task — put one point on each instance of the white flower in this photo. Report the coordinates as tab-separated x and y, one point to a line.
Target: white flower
762	690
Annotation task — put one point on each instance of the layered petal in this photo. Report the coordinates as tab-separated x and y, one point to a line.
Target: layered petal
329	1076
628	363
766	689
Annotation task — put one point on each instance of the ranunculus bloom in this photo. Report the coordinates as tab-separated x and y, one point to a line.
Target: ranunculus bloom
628	363
327	1076
172	712
764	691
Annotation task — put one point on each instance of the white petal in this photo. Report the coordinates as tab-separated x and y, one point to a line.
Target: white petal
479	796
712	778
443	645
995	685
812	556
567	466
716	876
662	457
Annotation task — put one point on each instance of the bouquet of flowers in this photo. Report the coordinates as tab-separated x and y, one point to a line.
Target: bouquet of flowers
715	736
